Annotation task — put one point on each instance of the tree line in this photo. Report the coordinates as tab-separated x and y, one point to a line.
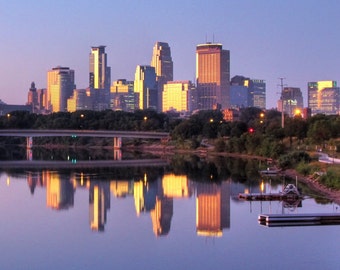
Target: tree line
256	132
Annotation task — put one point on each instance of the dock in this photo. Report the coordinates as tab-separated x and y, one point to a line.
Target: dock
290	193
281	220
268	197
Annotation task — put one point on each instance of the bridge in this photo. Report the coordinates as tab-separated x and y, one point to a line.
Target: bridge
115	134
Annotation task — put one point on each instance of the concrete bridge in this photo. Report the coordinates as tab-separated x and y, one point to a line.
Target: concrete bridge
115	134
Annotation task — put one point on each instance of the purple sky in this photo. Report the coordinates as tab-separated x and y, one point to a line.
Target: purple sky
267	39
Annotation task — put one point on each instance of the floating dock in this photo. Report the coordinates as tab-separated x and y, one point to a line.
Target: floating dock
268	197
290	193
281	220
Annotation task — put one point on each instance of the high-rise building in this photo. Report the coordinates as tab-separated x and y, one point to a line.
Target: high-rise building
42	100
60	86
323	97
258	93
32	98
162	62
100	73
100	78
146	88
122	96
82	99
291	100
246	92
239	92
213	76
176	96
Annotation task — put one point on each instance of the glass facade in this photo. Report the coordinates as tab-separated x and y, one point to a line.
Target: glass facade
100	73
323	97
212	76
162	62
146	88
292	100
176	96
60	86
122	96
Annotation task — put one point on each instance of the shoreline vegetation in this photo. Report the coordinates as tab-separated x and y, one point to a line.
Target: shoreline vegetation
165	150
255	133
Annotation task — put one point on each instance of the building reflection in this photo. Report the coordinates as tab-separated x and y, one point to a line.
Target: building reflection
212	208
155	198
121	188
35	179
59	191
99	200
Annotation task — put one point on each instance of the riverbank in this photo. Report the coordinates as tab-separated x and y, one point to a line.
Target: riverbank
333	195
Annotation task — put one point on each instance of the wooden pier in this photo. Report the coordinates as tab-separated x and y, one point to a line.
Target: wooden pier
281	220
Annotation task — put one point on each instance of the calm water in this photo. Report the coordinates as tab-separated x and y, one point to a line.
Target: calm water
184	215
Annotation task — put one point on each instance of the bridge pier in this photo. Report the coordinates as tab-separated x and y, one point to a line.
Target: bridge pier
117	143
29	142
29	154
117	154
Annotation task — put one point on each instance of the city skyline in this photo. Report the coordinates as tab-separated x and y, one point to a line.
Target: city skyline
266	40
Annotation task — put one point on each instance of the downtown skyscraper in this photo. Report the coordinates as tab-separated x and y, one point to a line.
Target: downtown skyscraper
100	78
60	86
145	87
100	73
212	76
162	62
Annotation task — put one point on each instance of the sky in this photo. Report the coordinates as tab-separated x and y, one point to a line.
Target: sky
297	40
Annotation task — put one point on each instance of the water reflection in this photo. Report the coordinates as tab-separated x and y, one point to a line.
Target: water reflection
155	197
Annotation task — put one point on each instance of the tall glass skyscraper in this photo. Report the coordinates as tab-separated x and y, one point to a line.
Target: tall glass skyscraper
212	76
100	73
145	87
162	62
60	86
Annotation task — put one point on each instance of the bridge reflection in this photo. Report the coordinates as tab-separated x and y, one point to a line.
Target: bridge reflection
52	164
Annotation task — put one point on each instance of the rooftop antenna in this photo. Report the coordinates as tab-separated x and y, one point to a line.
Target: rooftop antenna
213	37
282	110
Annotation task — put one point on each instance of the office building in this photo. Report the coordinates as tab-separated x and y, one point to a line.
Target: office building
82	99
323	97
32	98
291	100
176	96
162	62
258	93
37	99
146	88
239	93
122	96
212	76
100	73
60	86
246	92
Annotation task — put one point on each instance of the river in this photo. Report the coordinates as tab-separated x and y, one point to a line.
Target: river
184	214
